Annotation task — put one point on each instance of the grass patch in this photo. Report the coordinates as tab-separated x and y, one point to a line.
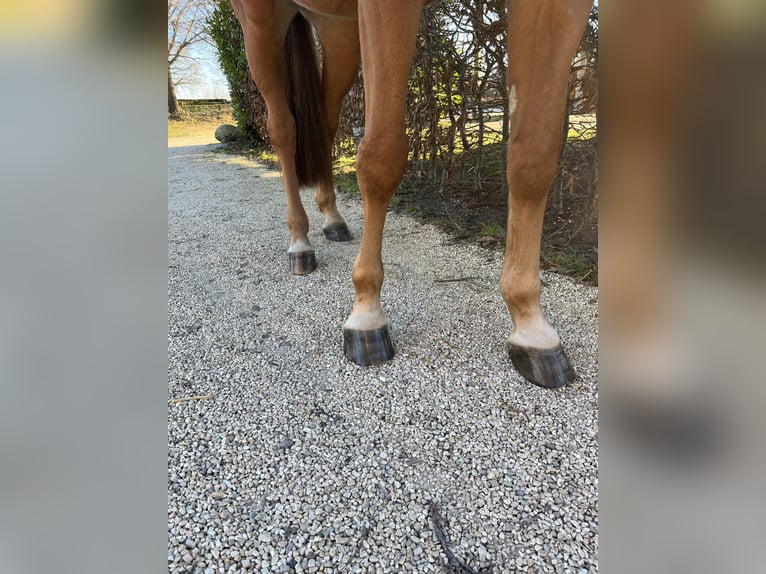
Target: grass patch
267	156
491	233
492	229
181	128
197	118
345	181
581	134
569	262
190	127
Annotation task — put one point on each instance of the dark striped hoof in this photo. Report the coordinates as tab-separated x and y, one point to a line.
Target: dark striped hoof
548	368
302	262
337	232
368	347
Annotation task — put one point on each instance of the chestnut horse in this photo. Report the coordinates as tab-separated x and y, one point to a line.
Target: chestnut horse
303	111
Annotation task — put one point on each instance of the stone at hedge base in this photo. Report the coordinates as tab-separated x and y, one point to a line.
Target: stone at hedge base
226	133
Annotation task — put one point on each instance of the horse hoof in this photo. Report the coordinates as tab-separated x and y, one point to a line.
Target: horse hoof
368	347
337	232
548	368
302	262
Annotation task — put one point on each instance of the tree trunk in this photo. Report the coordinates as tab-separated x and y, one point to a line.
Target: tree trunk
172	100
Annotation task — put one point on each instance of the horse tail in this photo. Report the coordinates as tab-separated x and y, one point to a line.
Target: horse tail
313	159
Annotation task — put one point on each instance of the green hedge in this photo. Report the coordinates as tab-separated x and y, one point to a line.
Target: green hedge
246	101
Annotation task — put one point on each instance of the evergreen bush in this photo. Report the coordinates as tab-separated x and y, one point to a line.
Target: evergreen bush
246	101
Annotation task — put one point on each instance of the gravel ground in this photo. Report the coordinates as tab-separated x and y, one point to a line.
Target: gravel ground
292	459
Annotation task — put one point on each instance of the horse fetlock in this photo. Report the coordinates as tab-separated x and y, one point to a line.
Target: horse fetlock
520	293
325	199
367	278
298	224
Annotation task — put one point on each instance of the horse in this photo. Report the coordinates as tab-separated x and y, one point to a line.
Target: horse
304	103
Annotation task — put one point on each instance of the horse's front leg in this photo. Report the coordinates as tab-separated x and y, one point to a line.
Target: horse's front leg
543	36
387	34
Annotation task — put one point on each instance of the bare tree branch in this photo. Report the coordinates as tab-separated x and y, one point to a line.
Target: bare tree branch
187	26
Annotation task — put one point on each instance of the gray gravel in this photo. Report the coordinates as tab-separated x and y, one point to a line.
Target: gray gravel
292	459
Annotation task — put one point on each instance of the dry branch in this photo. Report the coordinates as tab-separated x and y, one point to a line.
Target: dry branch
195	398
455	564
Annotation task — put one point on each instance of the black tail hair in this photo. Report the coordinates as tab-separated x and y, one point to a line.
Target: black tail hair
313	159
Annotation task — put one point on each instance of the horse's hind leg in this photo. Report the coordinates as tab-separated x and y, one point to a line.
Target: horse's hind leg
340	66
387	32
543	36
264	33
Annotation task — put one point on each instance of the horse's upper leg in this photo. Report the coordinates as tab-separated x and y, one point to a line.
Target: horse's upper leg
280	124
264	34
388	46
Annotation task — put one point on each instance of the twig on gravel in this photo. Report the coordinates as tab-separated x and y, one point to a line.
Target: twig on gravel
455	565
195	398
455	280
187	240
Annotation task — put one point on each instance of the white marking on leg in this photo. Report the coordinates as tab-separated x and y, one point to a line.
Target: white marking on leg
512	100
300	246
367	319
535	334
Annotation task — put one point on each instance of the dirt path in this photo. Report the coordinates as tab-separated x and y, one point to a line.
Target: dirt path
286	454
